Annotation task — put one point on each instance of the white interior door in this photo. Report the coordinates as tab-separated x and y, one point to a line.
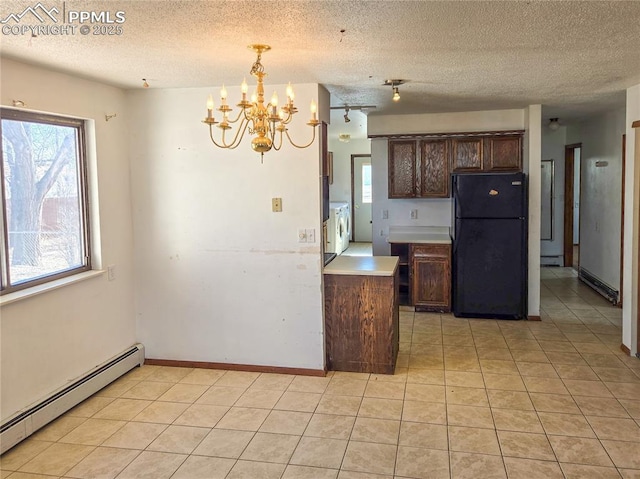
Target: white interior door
362	195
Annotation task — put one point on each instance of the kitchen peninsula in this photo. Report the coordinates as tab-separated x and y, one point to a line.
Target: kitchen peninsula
361	313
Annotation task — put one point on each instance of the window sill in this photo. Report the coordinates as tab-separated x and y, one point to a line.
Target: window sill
50	286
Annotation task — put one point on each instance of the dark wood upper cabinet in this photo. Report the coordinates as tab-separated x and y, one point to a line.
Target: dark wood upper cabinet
419	176
434	168
402	169
421	166
467	154
503	153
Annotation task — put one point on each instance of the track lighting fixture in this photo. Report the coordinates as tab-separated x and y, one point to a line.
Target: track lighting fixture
145	83
394	87
348	108
346	115
554	124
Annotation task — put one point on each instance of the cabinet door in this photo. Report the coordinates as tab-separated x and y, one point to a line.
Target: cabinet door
431	277
402	168
503	153
434	168
466	154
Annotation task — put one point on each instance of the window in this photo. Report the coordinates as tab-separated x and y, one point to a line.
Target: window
366	182
45	228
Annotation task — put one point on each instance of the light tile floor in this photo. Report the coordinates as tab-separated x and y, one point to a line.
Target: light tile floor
358	249
470	399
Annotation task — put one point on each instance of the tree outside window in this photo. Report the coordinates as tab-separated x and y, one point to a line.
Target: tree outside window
45	224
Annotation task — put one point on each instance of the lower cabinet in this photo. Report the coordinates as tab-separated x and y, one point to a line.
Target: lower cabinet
361	323
425	275
431	277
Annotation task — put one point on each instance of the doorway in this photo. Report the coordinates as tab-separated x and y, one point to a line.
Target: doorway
572	169
361	197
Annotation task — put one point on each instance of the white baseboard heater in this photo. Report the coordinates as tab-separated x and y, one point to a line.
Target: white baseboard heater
28	421
598	285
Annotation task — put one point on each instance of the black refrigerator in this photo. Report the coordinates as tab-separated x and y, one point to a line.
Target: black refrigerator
489	232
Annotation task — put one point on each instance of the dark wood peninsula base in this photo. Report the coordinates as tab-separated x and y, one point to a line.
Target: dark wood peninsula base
362	318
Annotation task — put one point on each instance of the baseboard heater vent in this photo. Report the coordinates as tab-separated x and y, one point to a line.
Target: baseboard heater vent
26	422
600	286
551	260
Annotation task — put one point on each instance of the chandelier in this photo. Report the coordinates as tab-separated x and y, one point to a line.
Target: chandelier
266	122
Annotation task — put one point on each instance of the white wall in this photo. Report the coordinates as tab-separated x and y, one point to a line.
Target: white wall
54	337
531	166
219	277
600	208
631	223
553	143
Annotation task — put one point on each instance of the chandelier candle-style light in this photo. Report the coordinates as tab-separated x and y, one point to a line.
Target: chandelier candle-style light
261	120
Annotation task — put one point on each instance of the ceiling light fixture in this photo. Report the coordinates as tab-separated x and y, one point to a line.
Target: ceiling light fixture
362	108
145	84
346	115
344	137
394	87
554	124
261	121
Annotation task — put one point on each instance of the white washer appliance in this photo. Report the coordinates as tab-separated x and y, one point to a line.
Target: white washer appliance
335	231
345	218
347	225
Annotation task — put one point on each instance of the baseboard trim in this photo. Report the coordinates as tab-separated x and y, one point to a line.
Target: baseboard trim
41	413
533	318
625	349
235	367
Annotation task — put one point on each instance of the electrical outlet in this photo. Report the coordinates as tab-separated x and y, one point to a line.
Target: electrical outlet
302	236
381	232
414	214
276	205
385	214
111	272
311	235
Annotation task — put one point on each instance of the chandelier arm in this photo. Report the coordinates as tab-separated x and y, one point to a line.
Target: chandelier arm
273	141
242	128
301	146
238	117
237	139
214	141
287	120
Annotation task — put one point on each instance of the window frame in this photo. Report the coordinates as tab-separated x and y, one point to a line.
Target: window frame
81	165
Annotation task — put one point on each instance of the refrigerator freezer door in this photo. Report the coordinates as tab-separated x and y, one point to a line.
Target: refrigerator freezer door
490	273
490	196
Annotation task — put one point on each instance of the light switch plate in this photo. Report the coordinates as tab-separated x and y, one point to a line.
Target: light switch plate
311	235
414	214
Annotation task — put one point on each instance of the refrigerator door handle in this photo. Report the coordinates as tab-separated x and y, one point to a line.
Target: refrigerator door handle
457	227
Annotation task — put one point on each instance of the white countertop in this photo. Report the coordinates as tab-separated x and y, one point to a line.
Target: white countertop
363	265
419	234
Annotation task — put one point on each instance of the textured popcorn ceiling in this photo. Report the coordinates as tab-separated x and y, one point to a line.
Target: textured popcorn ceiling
574	58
